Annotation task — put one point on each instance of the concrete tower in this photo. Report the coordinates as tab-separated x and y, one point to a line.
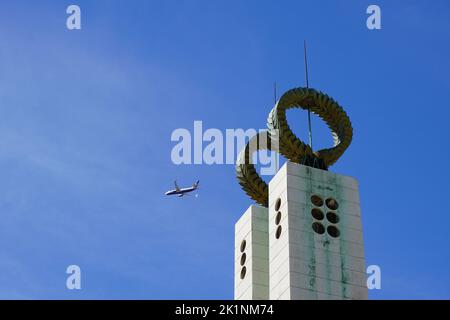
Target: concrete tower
315	236
307	245
305	239
252	255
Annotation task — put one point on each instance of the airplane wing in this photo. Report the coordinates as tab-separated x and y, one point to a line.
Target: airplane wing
176	186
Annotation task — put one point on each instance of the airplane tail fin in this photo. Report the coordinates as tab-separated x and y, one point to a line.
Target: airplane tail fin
196	184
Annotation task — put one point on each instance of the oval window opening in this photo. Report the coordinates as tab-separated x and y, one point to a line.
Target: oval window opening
333	231
243	259
318	228
278	233
278	218
316	200
278	204
243	244
317	214
332	204
243	272
332	217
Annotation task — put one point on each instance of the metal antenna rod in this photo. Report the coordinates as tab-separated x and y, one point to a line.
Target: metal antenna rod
275	92
307	86
275	102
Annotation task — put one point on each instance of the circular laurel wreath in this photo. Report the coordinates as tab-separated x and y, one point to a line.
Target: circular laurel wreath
280	138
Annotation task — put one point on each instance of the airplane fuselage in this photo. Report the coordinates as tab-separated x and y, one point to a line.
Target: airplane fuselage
180	192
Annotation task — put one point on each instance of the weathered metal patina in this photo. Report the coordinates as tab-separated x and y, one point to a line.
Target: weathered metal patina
288	144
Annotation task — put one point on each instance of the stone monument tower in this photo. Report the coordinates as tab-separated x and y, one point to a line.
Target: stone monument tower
303	239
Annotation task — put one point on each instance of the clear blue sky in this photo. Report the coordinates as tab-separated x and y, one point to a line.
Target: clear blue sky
86	118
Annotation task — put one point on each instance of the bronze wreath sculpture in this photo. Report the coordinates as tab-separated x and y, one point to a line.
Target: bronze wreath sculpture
288	144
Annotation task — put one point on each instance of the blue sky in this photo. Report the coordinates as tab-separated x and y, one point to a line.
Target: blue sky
86	118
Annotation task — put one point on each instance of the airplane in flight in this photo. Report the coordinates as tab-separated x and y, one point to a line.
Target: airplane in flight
184	191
